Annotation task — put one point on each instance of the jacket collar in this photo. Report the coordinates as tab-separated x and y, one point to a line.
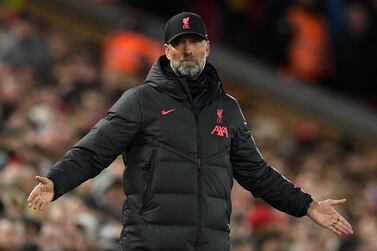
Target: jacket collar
164	79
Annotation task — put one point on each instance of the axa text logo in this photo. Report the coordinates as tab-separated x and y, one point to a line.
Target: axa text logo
220	130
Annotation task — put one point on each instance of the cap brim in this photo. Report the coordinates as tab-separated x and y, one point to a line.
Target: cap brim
184	33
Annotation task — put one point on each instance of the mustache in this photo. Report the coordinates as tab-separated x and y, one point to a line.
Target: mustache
188	57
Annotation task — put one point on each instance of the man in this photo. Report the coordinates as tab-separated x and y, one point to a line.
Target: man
184	140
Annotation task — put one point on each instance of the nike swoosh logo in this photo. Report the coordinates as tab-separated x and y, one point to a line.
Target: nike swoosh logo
168	111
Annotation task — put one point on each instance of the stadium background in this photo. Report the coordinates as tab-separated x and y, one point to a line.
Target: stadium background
304	72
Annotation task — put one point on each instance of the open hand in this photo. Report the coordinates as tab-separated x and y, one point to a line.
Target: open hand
324	214
42	194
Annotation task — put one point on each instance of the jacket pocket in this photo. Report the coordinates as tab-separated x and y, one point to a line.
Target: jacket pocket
148	177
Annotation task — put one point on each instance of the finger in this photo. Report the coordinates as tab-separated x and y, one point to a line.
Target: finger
43	205
30	204
31	198
342	225
39	205
36	203
333	229
337	202
343	228
345	225
33	195
40	179
344	221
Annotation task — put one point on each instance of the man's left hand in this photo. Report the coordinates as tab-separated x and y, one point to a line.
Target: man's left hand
324	214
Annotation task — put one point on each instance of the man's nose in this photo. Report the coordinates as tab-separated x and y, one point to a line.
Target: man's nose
187	54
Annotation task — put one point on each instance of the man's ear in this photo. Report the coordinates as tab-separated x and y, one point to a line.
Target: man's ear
167	50
207	48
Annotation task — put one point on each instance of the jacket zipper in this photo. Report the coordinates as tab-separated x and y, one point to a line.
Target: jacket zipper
198	180
198	187
147	179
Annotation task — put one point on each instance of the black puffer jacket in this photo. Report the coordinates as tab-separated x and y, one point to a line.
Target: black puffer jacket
180	164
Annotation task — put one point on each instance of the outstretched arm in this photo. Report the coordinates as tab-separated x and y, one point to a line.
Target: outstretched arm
94	152
324	214
42	193
254	174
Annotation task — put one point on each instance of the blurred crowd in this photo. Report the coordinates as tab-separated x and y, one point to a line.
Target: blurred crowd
53	89
330	43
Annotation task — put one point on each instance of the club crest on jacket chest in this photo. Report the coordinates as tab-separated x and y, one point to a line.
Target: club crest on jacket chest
220	129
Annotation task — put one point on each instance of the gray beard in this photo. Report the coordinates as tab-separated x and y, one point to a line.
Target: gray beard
188	71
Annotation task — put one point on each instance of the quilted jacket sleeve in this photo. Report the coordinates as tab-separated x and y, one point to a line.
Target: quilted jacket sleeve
98	149
254	174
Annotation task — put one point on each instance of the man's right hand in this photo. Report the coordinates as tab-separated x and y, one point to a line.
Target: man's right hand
42	194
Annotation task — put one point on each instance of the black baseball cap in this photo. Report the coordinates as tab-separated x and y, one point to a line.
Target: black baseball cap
185	23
